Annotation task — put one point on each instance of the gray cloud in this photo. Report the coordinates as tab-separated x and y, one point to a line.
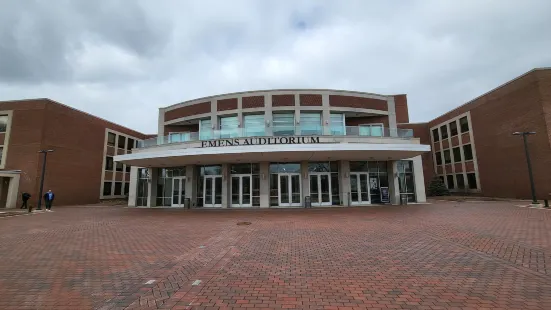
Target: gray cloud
122	60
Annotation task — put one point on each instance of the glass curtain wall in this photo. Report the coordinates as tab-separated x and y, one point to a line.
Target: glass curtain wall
275	169
254	125
283	124
337	124
201	173
164	184
406	179
374	130
205	129
142	191
229	127
240	183
310	124
332	168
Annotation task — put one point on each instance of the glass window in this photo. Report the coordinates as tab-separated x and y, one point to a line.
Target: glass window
468	152
464	124
358	166
118	188
109	163
3	123
1	153
126	188
460	180
254	125
106	188
438	158
175	137
447	157
142	187
127	167
245	169
130	144
285	168
229	127
406	180
444	132
111	137
283	124
374	130
435	135
471	179
453	128
211	170
337	124
451	185
122	142
205	129
310	123
323	166
456	154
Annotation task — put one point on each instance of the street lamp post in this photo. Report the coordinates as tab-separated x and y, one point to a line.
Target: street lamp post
45	152
528	162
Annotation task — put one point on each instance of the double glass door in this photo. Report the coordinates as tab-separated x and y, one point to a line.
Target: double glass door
178	191
359	188
241	190
289	189
212	191
320	189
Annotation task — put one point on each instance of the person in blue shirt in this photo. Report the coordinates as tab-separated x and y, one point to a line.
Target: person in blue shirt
49	199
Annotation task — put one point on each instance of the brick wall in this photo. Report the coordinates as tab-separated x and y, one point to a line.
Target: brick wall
252	102
401	106
310	100
226	104
283	100
421	131
188	110
357	102
355	121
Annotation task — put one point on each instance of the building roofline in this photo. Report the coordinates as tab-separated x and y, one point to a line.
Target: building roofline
492	90
277	90
74	109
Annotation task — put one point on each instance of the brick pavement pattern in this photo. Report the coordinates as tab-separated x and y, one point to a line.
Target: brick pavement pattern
490	255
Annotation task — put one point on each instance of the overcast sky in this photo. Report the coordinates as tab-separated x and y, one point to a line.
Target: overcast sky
122	60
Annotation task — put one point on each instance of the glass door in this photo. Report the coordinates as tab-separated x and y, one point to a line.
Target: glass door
178	191
212	191
320	189
289	190
359	188
241	190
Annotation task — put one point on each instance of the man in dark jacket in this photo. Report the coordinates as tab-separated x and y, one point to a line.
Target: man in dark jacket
49	199
25	197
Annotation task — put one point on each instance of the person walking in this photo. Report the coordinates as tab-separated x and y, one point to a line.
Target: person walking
25	197
49	199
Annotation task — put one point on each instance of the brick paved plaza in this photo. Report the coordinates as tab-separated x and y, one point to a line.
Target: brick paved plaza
440	256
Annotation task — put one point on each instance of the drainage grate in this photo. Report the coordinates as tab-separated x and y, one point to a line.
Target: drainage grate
243	223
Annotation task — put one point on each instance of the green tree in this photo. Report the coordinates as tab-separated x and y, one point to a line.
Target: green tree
438	188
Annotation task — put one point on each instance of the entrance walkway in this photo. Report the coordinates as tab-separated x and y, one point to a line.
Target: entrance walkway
441	256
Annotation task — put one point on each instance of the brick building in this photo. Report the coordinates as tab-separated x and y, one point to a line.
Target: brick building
473	149
81	168
279	147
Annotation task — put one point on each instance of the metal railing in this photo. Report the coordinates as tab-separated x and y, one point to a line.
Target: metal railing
277	131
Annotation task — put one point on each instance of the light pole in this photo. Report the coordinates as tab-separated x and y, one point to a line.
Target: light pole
45	152
533	188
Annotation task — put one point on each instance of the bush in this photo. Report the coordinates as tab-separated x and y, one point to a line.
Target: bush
438	188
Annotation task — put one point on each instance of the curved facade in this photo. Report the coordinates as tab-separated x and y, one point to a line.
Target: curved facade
279	148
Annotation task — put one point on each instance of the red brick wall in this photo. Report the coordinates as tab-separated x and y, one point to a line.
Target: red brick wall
74	169
517	106
226	104
181	128
357	102
310	100
188	110
252	102
283	100
401	106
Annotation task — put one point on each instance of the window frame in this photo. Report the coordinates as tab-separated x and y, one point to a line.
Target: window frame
466	124
455	159
110	191
109	159
449	159
119	183
435	135
452	134
460	176
114	135
4	125
452	178
466	158
438	155
123	139
442	132
473	174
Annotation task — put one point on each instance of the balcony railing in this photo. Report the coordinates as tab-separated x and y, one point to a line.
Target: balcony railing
276	131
